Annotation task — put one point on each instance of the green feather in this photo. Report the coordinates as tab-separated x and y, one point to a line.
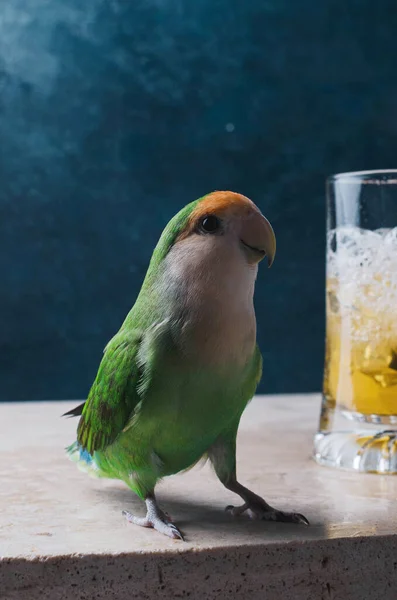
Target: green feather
113	396
145	309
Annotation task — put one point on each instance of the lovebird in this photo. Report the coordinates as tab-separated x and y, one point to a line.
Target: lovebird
174	381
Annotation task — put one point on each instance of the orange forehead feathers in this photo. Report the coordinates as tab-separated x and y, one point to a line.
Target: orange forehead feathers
218	203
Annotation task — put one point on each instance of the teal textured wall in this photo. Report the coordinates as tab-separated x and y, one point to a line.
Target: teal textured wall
114	114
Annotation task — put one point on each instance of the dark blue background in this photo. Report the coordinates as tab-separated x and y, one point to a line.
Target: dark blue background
115	113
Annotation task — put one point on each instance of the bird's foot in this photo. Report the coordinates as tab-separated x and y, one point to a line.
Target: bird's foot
262	511
156	519
163	525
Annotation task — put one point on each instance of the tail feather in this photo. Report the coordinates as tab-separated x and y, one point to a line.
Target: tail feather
75	412
84	460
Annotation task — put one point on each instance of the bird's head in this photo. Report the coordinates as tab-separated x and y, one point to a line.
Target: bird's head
227	218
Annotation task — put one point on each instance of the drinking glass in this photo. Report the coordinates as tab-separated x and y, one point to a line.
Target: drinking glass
358	421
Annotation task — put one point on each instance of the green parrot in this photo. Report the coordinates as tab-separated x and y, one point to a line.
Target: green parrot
176	378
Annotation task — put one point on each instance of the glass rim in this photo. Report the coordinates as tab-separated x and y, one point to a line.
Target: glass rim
376	176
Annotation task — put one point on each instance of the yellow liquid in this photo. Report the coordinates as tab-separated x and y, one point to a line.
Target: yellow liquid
361	352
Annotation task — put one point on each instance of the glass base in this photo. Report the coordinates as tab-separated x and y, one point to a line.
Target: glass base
363	451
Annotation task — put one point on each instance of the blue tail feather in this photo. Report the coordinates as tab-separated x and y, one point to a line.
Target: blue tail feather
83	458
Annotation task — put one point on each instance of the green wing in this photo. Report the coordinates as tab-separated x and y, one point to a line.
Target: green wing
113	396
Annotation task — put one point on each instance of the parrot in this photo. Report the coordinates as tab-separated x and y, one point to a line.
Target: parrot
175	379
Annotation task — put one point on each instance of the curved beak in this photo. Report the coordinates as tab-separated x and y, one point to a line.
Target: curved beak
258	239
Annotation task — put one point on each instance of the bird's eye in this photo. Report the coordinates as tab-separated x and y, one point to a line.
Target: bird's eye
210	224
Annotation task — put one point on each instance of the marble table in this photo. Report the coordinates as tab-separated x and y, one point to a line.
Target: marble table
62	534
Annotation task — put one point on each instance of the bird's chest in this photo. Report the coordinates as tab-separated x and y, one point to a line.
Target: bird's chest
219	334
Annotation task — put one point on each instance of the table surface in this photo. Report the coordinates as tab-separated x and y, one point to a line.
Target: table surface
49	508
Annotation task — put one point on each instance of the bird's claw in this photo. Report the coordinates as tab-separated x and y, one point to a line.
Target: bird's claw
257	512
284	517
176	534
236	511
